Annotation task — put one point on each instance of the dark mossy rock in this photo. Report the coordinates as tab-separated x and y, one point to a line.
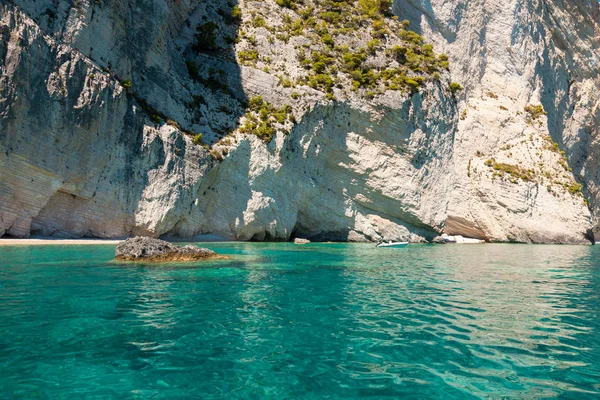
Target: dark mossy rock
149	249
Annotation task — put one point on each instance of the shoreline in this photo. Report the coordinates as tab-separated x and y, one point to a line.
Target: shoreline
53	241
45	240
204	239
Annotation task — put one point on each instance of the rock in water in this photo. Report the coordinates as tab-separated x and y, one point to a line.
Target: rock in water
438	240
149	249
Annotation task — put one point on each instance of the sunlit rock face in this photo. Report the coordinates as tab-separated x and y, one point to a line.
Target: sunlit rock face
509	55
81	155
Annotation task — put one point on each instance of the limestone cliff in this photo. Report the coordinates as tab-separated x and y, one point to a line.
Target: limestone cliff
510	55
102	105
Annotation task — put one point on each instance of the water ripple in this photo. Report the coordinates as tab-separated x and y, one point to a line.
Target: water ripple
317	321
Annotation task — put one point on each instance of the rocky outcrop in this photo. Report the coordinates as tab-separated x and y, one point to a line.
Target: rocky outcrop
83	86
154	250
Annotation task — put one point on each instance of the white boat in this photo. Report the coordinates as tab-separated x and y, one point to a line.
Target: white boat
392	244
461	240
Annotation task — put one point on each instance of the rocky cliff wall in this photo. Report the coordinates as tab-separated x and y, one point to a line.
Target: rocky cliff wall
510	55
83	84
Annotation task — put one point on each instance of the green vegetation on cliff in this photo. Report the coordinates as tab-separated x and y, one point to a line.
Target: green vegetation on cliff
344	49
355	45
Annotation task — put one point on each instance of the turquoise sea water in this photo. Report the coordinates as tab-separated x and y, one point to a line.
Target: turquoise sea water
283	321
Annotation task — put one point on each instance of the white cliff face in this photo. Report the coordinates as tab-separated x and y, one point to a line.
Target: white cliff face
509	55
346	172
81	157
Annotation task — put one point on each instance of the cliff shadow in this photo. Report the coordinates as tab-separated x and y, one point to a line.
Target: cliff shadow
217	97
204	101
133	67
414	10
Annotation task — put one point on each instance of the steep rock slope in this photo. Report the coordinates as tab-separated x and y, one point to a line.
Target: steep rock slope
77	152
511	55
102	103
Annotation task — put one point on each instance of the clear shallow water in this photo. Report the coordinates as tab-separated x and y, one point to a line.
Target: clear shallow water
318	321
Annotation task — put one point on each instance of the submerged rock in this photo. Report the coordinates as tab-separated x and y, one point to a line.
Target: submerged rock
149	249
438	240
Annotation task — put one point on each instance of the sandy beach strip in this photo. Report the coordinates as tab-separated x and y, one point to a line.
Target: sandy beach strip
54	241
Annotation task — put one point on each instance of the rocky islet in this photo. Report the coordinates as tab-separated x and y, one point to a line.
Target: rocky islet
156	250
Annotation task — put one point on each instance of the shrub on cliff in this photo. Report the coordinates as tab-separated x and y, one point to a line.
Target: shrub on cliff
197	139
286	3
236	14
206	39
534	112
455	87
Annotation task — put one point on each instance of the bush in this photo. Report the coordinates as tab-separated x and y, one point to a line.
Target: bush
126	84
236	14
248	55
575	188
399	53
285	82
328	40
206	39
385	7
333	17
192	70
319	67
352	61
411	37
287	4
374	8
413	60
534	112
265	132
320	81
372	46
197	139
412	84
379	29
255	103
268	115
259	22
455	87
427	50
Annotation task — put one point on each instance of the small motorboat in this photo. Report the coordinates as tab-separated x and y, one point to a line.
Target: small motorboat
391	244
461	240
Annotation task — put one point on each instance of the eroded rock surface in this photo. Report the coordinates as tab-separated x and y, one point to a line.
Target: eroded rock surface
150	249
